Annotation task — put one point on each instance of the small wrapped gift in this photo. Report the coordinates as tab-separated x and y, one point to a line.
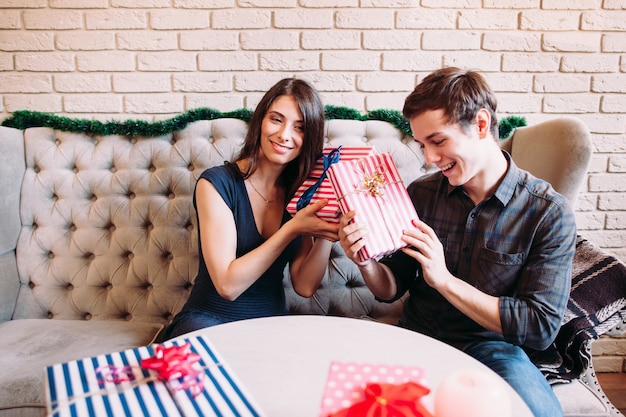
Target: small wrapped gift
356	389
317	187
177	378
374	188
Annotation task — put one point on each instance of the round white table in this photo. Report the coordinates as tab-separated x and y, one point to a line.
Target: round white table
284	361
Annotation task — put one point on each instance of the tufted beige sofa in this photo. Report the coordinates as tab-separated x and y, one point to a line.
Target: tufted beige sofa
98	245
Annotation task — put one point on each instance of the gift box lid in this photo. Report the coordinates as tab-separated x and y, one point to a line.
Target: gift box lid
317	187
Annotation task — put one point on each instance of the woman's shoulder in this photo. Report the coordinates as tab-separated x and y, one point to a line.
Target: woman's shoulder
226	172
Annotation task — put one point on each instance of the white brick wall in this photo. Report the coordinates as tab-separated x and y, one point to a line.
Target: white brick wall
152	59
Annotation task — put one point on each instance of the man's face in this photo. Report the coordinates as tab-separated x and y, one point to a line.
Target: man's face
455	152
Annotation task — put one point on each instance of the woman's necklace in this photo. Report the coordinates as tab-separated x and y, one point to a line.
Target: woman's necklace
267	202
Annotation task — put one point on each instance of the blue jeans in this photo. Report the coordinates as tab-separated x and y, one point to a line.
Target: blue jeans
512	364
187	321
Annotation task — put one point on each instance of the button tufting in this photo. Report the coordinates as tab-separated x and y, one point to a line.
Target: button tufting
128	317
171	196
189	227
130	255
191	167
151	168
113	169
50	255
31	284
131	195
72	227
87	316
149	227
69	286
89	256
36	169
50	315
133	140
112	228
93	197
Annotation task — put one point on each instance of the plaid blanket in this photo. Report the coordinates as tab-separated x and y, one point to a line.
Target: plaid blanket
597	304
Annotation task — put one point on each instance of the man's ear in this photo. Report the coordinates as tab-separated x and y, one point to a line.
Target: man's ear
483	121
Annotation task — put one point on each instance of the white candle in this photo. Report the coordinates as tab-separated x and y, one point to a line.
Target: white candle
472	393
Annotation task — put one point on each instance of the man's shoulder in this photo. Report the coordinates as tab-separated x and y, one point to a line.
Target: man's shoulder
538	187
432	179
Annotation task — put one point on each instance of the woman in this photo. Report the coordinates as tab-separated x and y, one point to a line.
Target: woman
246	237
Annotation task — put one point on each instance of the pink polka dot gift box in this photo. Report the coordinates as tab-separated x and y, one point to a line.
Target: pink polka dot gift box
358	389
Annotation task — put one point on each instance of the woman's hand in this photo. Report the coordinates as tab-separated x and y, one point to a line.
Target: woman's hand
308	223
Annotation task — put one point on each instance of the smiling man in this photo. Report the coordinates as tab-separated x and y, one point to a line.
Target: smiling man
488	266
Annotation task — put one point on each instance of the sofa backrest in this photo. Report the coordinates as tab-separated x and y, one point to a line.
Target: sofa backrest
103	227
108	230
558	151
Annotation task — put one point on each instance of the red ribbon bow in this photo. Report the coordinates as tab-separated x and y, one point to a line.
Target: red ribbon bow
389	400
176	362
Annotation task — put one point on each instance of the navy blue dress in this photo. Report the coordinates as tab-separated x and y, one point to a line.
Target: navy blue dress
266	297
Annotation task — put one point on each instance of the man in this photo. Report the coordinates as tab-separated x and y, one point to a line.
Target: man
488	263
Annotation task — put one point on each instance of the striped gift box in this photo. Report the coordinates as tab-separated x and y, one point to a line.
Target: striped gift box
77	388
331	212
374	188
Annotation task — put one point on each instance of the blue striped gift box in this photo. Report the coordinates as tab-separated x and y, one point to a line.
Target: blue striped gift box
75	388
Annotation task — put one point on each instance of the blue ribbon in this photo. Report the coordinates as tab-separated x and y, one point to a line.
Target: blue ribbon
332	158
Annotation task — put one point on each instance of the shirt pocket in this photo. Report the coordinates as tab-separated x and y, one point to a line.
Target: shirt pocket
498	271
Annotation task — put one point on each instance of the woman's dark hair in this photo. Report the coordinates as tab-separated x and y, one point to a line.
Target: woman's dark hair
312	109
461	94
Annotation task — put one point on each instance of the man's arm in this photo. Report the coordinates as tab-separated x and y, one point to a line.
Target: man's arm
377	277
425	247
533	317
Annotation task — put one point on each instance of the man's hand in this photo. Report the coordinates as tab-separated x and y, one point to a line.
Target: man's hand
351	237
425	247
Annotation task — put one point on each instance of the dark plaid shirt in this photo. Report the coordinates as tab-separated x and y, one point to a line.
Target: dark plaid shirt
517	245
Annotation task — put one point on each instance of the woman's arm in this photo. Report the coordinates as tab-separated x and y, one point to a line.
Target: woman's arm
309	265
231	275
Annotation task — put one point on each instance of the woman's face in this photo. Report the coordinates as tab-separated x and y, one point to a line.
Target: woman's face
282	131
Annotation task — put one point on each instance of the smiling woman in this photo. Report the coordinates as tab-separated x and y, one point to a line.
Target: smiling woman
246	237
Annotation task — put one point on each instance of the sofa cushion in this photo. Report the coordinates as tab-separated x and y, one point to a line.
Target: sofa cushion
35	344
579	400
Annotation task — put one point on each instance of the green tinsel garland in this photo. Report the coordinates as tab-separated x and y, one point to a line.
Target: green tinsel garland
508	125
23	119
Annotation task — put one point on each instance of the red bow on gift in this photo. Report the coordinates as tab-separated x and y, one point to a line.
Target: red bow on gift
176	362
389	400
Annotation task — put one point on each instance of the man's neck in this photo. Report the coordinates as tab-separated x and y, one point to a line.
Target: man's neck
485	184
